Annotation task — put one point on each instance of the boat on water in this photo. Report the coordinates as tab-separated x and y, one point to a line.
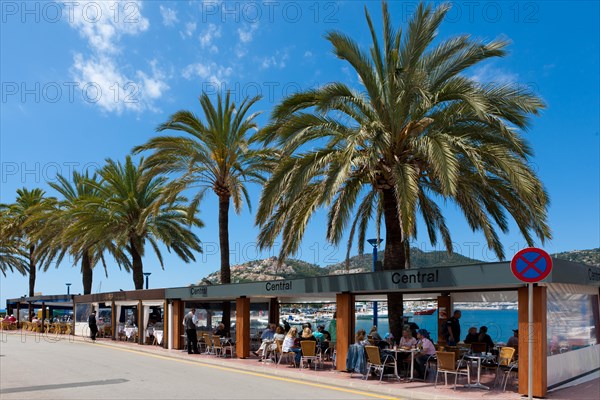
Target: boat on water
428	311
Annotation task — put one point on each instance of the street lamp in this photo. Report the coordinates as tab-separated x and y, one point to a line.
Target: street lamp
374	243
68	288
147	274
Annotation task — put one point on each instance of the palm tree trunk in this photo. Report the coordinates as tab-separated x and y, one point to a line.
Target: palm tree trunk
224	244
31	271
393	258
86	271
137	267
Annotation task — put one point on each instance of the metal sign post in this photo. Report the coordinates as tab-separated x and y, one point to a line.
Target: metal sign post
530	265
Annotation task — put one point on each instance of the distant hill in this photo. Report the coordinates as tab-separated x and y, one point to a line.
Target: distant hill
418	259
589	257
266	269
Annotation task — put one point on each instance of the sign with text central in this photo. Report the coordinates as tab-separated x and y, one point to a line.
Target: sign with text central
531	265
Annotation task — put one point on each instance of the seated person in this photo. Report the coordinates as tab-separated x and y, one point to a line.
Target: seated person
361	338
485	338
407	341
426	350
220	331
266	338
289	344
307	335
410	325
513	341
323	340
472	336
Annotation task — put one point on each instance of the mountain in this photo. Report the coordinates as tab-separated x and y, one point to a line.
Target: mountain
589	257
418	259
266	269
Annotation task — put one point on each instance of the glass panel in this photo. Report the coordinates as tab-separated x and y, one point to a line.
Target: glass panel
570	320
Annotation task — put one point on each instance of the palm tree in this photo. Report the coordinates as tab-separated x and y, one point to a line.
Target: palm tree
12	256
419	133
57	221
14	226
214	155
127	210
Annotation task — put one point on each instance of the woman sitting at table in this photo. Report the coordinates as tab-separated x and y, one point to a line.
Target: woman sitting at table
220	331
289	344
407	341
361	338
426	349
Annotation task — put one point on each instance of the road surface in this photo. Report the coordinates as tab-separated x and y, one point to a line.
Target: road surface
65	369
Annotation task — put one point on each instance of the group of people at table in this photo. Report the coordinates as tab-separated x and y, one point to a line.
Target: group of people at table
418	341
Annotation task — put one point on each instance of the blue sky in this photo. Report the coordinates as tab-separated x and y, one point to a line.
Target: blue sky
89	80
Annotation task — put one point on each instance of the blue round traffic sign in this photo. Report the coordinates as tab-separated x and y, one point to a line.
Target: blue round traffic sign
531	265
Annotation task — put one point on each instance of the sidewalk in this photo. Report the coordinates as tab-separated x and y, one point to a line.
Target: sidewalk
327	376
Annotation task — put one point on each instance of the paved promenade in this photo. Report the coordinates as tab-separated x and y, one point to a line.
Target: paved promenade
70	368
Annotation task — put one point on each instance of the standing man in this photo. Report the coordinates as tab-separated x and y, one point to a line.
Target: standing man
190	332
93	326
453	328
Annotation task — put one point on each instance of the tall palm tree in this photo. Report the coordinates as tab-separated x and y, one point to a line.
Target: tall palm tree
15	217
57	221
214	155
420	132
127	209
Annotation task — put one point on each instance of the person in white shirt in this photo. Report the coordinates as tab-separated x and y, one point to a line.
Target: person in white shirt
426	349
407	341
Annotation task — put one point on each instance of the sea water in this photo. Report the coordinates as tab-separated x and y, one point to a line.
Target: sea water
500	323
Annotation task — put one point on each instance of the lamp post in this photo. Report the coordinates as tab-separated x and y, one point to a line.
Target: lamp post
68	288
147	274
374	243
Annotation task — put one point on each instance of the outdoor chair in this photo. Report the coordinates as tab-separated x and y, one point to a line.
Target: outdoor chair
309	353
377	366
505	359
446	363
513	368
220	347
287	354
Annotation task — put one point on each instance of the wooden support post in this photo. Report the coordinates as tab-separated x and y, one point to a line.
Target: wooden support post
274	311
30	311
113	320
43	317
165	343
141	330
444	312
540	345
242	327
177	324
344	327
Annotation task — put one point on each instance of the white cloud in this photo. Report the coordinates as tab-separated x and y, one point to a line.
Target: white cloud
246	33
308	54
207	37
490	74
101	74
276	61
190	28
169	16
208	73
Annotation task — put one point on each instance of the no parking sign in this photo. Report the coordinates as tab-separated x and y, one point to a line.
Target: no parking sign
531	265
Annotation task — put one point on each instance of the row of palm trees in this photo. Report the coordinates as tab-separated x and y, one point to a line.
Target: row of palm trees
420	132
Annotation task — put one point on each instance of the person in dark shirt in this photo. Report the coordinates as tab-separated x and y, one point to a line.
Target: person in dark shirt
93	326
472	336
485	338
453	329
221	331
